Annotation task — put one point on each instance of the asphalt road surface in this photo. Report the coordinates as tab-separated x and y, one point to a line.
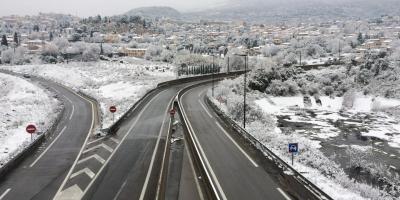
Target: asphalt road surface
234	172
41	174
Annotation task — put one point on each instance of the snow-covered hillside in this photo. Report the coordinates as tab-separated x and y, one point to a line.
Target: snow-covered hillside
22	103
111	83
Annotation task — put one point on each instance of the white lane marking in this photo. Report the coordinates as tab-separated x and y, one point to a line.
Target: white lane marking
126	135
114	140
237	145
204	107
56	90
86	170
72	112
44	152
94	141
73	192
120	190
164	158
98	146
58	195
284	194
95	156
196	140
68	99
5	193
153	157
193	171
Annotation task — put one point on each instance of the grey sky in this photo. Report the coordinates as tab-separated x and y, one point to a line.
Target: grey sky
93	7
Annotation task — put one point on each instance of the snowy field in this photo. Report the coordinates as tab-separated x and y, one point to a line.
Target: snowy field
22	103
345	133
111	83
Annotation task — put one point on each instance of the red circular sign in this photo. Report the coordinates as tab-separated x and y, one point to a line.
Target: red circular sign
172	112
31	129
113	109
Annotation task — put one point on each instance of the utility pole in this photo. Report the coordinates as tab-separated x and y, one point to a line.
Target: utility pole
212	89
339	51
244	92
300	59
228	65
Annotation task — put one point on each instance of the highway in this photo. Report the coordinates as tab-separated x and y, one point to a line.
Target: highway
234	172
127	164
40	175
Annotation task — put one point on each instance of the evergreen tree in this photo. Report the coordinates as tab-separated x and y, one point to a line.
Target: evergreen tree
16	40
36	28
4	41
360	38
51	36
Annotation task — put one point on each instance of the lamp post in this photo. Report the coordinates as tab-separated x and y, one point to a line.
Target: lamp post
244	87
213	62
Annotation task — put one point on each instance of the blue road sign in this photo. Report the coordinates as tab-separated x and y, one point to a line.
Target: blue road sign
293	147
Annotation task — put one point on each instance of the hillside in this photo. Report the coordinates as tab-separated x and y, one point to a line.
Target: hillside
154	12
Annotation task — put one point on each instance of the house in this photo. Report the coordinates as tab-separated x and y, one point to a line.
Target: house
132	52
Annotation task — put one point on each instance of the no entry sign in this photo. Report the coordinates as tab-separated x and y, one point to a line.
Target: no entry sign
172	112
113	109
31	129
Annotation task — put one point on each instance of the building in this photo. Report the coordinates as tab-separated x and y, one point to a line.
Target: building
131	52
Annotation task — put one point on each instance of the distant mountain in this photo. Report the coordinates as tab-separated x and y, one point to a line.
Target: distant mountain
287	10
154	12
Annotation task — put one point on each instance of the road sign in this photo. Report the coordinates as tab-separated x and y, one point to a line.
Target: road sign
293	147
172	112
31	129
113	109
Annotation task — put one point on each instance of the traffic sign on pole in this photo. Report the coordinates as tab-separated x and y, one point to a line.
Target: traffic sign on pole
31	129
113	109
293	148
172	112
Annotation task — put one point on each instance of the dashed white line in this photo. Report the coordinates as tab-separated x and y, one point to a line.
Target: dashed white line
69	100
237	145
44	152
283	194
72	112
120	190
208	113
5	193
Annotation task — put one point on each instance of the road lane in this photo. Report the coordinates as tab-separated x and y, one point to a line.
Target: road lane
40	175
238	175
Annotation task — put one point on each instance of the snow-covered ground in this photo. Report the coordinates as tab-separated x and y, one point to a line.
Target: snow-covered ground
111	83
22	103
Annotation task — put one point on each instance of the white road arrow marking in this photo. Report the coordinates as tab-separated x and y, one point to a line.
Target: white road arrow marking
95	156
87	171
98	146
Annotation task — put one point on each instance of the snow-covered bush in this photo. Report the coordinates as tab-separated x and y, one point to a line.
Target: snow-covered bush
7	56
91	53
348	99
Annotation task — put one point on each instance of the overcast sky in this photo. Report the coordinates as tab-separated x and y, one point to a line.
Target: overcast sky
94	7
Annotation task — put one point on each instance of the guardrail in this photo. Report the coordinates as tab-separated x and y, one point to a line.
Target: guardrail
297	184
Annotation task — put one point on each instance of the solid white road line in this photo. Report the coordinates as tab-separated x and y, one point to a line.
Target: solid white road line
204	107
5	193
193	171
44	152
72	112
284	194
237	145
153	157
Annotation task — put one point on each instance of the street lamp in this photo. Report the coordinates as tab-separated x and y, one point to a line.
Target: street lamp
244	87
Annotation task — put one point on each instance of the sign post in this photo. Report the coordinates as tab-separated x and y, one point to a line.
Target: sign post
293	148
113	109
31	129
172	113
